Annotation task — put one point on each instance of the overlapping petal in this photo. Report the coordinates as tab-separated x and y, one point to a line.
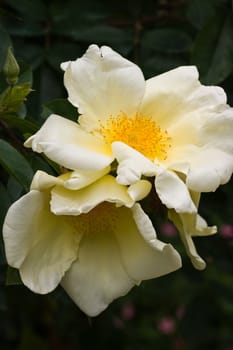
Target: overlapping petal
132	164
209	168
66	143
98	245
98	276
190	225
37	242
113	259
106	189
191	123
103	83
173	192
143	255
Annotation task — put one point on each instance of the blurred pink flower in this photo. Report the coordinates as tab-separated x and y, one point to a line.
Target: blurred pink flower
226	231
128	311
168	229
166	325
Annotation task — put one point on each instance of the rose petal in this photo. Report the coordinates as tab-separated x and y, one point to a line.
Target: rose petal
98	276
139	190
64	142
106	189
173	192
103	83
208	169
80	179
143	255
42	181
37	242
132	164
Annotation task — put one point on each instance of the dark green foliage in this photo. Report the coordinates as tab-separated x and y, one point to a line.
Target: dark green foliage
158	35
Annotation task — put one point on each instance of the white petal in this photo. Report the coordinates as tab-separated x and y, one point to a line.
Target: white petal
183	107
173	192
98	276
178	92
139	190
209	168
218	127
106	189
80	179
132	164
202	229
114	256
143	255
42	181
191	225
67	144
165	94
37	242
103	83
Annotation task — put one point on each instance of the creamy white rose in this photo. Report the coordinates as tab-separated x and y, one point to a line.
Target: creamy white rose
95	241
163	127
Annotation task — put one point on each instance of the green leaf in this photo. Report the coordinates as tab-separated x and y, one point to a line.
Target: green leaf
24	125
168	40
61	52
41	162
103	34
14	189
12	98
199	12
25	75
158	63
5	202
213	49
35	10
62	107
15	164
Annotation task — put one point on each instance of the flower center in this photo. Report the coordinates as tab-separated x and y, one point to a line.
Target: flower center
139	132
100	219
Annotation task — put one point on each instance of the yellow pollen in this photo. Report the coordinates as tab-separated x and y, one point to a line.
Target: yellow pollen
100	219
139	132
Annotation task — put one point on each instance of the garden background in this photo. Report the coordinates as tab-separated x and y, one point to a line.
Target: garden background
188	309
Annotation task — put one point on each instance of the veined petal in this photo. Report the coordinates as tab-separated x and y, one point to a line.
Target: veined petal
132	164
143	255
98	276
103	83
37	242
164	94
181	105
170	96
173	192
106	189
67	144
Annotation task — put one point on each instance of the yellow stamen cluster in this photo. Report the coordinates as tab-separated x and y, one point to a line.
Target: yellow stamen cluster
139	132
102	218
